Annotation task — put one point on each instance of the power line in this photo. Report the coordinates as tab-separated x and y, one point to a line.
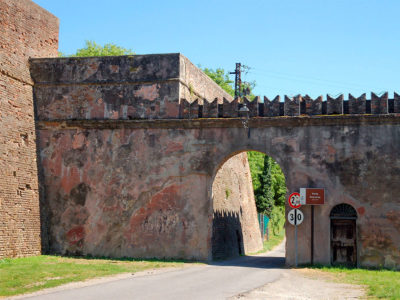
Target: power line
281	75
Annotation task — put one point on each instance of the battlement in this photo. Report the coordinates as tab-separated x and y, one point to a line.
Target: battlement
293	106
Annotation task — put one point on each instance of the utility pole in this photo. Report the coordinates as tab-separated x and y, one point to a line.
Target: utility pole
238	79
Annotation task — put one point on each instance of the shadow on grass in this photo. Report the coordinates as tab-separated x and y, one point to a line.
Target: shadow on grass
125	259
262	262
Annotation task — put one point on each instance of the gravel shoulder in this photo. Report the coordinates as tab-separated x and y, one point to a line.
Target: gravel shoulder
299	284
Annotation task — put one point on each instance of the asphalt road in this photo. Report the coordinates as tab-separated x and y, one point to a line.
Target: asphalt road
216	281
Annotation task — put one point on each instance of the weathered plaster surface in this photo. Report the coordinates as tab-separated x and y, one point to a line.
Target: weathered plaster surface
120	87
197	85
117	186
235	225
135	175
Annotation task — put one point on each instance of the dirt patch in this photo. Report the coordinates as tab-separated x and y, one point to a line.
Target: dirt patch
305	284
318	274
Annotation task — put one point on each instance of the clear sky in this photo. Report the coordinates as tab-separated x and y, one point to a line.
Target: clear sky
293	47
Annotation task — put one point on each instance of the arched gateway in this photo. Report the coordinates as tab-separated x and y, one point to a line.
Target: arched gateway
128	158
343	235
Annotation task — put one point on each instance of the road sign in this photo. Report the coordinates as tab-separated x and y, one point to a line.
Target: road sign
312	196
295	217
294	200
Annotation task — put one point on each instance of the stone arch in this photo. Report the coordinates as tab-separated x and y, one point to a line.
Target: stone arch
343	211
235	227
228	155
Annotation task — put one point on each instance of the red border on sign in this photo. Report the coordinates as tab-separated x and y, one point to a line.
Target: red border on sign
290	204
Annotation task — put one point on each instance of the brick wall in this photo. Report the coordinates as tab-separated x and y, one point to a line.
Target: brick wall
26	30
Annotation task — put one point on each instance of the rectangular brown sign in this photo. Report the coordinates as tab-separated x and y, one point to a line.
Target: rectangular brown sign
312	196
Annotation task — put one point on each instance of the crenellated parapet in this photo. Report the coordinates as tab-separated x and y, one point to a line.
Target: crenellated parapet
272	108
210	109
311	106
299	106
292	106
357	105
396	103
334	106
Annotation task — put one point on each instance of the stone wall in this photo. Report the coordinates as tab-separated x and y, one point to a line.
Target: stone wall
235	226
26	30
123	87
115	188
197	85
142	188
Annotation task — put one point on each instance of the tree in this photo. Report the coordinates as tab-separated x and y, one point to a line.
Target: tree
269	188
278	184
221	78
256	164
265	194
93	49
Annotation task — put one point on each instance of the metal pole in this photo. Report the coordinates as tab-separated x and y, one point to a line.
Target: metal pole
295	235
312	234
238	79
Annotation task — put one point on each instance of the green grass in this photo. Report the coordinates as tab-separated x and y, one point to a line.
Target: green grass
30	274
381	284
274	240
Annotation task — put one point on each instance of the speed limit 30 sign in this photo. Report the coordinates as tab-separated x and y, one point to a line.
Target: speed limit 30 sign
295	217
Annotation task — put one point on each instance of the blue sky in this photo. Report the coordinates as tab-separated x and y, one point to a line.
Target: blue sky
292	46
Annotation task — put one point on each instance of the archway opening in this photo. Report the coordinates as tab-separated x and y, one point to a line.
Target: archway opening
248	196
343	235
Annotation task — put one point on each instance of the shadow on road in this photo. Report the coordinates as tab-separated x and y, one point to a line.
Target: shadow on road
274	259
262	262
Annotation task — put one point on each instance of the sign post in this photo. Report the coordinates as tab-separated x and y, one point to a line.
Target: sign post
295	217
312	196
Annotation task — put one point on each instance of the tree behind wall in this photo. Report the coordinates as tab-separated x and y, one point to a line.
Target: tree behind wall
265	193
269	188
93	49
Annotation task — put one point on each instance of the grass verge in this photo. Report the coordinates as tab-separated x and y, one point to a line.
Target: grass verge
381	284
30	274
274	240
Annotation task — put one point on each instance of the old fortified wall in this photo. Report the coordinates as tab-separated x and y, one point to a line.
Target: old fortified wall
133	88
29	31
111	174
129	148
26	30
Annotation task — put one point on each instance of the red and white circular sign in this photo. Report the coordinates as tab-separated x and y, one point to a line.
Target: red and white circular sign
294	200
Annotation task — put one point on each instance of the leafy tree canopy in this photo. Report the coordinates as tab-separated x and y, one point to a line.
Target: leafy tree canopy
268	182
93	49
221	78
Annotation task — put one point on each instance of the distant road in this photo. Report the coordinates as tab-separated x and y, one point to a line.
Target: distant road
217	281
